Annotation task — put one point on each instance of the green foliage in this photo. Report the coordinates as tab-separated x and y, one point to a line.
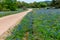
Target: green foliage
43	4
40	24
6	12
14	4
31	5
11	4
1	7
55	3
19	33
4	9
19	4
8	5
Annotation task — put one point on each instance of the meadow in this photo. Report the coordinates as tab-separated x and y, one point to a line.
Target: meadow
40	24
5	13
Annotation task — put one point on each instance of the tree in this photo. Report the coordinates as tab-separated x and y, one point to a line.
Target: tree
55	3
11	4
19	4
0	7
42	4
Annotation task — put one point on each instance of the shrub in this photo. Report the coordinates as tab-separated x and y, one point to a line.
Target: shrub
1	8
12	8
4	9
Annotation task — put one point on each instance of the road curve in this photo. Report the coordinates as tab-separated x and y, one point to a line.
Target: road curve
11	21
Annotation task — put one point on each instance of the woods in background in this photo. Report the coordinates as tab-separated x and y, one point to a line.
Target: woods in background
55	3
12	5
6	5
31	5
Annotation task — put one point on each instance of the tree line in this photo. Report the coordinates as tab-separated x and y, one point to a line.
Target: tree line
32	5
55	3
12	5
6	5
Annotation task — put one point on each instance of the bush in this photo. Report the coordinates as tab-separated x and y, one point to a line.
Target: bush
1	8
12	8
4	9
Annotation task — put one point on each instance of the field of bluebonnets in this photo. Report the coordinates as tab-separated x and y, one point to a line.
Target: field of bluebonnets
40	24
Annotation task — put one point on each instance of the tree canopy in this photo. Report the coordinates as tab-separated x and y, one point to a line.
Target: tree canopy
8	5
56	3
14	4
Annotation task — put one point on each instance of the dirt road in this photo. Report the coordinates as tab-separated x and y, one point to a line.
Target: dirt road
10	21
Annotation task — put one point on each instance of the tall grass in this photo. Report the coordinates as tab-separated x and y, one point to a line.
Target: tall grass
5	13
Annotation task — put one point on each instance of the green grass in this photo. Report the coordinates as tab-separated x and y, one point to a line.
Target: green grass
40	24
21	29
5	13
